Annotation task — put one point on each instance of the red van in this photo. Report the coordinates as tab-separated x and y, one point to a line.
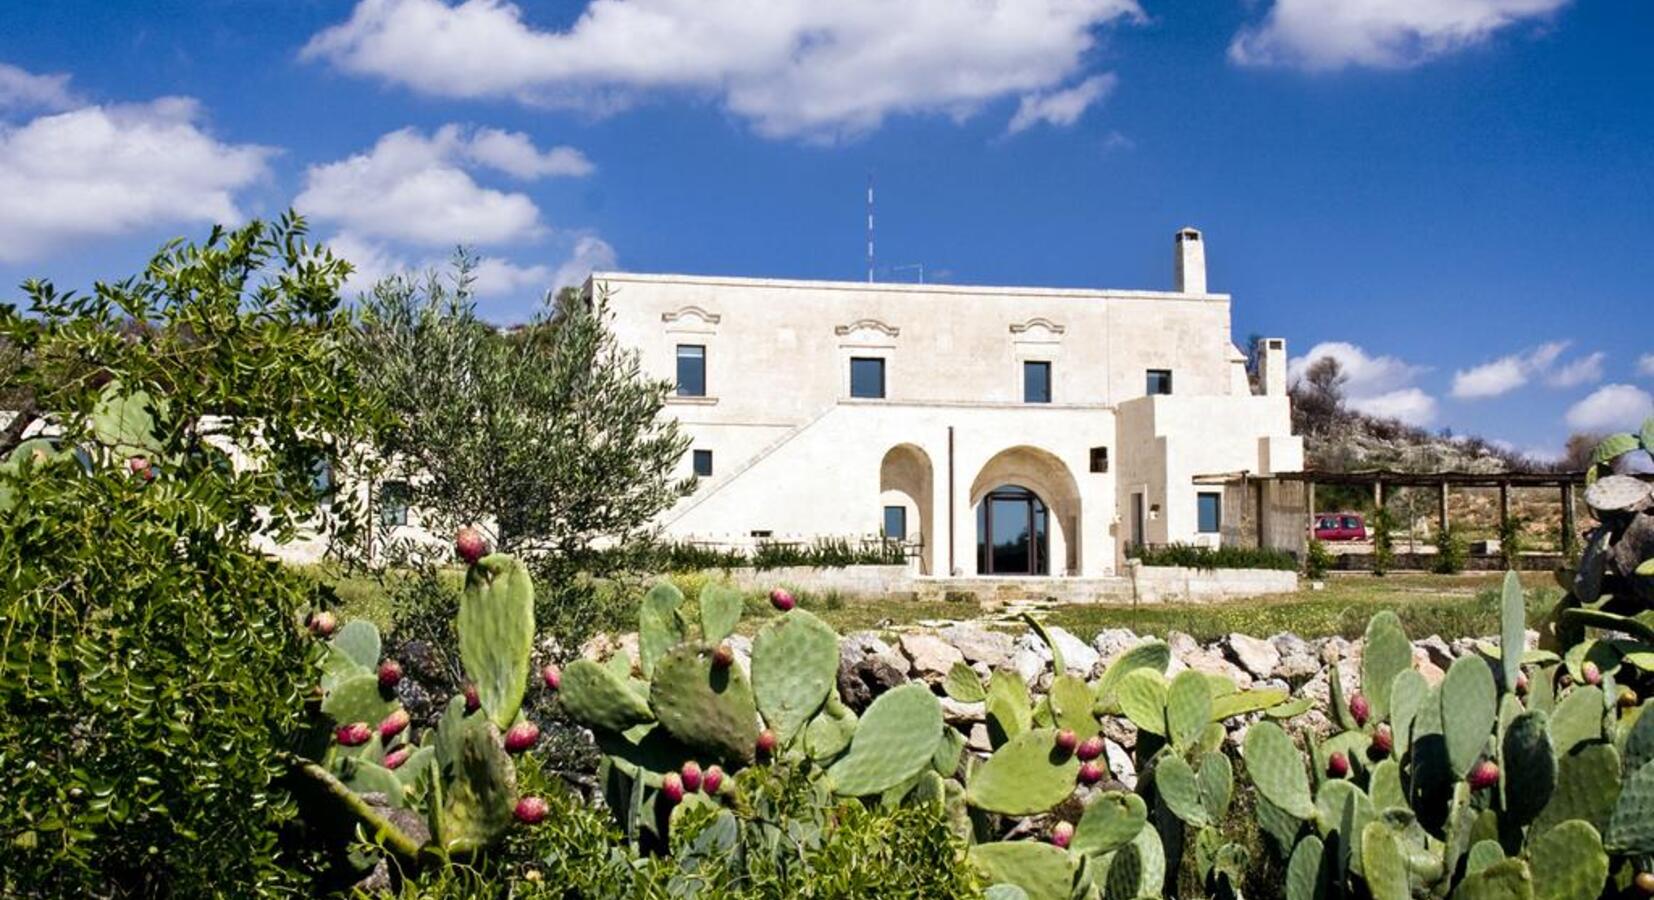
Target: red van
1342	526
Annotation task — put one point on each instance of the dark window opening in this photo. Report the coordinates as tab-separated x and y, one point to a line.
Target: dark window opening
1099	459
895	523
394	497
867	377
762	533
703	463
1211	512
691	370
1012	533
1160	381
1036	382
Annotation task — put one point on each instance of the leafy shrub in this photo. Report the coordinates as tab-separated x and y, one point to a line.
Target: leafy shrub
1384	547
823	553
1512	540
1208	558
1451	551
1317	559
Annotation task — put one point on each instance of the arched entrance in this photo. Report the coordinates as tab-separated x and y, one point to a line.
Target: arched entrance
906	486
1027	514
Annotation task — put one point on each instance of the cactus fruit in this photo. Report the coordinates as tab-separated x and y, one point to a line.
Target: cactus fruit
395	758
393	724
1066	741
1090	773
722	656
552	676
1484	774
1090	748
323	623
692	776
712	779
1645	883
766	744
1338	765
522	736
1360	709
782	599
469	544
1522	683
353	734
1384	742
390	674
530	810
1061	834
1627	697
1591	673
672	787
473	700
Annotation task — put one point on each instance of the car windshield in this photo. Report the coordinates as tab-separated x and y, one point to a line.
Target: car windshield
1327	523
1352	522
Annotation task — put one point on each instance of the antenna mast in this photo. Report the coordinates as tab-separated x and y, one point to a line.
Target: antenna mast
869	227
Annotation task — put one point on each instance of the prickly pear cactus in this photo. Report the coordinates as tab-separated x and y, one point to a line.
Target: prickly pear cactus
496	634
1029	774
794	667
708	707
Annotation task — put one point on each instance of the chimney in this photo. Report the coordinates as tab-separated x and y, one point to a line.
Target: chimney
1272	367
1191	262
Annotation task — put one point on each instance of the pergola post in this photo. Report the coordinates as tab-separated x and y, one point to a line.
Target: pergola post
1504	507
1441	511
1263	513
1309	506
1378	495
1568	535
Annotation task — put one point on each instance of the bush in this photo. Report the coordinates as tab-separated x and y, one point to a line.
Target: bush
1317	559
1384	529
1451	551
1512	540
823	553
1207	558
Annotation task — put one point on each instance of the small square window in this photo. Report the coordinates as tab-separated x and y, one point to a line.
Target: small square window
895	523
867	377
1099	459
703	463
1036	382
691	370
1160	381
1211	512
394	497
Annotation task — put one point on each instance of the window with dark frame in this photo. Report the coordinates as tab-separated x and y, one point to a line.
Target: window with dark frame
1210	512
1160	381
867	377
703	463
691	370
394	497
1036	381
895	523
1099	459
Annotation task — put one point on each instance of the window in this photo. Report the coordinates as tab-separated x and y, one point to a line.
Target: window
1099	459
321	482
703	463
1036	382
393	503
895	523
1160	381
691	370
866	377
1211	512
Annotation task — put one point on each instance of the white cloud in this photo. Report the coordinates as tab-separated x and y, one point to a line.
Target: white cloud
415	188
590	254
498	277
107	170
1501	376
1410	405
1585	370
24	90
1611	407
791	67
1332	34
1368	375
1645	365
1061	108
1507	373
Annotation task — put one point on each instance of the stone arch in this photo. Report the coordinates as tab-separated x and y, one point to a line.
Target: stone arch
907	479
1049	478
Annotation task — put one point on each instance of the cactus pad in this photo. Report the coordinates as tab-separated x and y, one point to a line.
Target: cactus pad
1386	654
358	642
721	607
660	627
1309	873
794	667
1408	693
1042	871
478	801
1027	775
125	421
1155	655
1241	703
1175	782
1631	825
829	732
1587	787
1639	740
1007	706
1071	701
1568	863
963	685
1277	770
710	709
1138	869
496	634
1188	708
358	699
895	740
1469	705
1577	718
1529	766
1383	864
1216	780
1506	880
1109	822
1512	630
593	695
1384	786
1142	696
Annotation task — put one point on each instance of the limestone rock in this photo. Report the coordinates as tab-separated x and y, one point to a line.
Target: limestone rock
1111	643
1436	651
992	649
861	681
867	643
962	714
932	656
1120	730
977	739
1119	762
1077	655
1256	656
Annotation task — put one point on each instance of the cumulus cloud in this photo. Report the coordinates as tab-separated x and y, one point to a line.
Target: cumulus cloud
1061	108
590	254
107	170
1507	373
1645	365
1376	385
791	67
417	188
516	288
1333	34
1612	407
1410	405
24	90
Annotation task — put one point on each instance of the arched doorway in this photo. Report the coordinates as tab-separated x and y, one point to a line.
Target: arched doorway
906	486
1013	533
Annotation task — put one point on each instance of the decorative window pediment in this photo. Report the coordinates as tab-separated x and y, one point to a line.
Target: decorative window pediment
690	318
867	327
1038	327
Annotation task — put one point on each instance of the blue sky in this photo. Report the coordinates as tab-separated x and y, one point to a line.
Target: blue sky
1454	198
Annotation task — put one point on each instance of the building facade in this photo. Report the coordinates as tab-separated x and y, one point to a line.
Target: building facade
995	430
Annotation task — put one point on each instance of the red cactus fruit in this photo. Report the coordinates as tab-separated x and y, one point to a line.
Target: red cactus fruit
1384	740
1360	709
469	544
393	724
692	776
712	779
521	736
473	700
766	743
323	623
1645	883
1593	675
1061	834
1067	740
1338	765
1521	682
530	810
390	673
1484	774
552	676
1090	748
1090	773
781	599
722	656
353	734
139	465
671	787
396	758
1627	698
